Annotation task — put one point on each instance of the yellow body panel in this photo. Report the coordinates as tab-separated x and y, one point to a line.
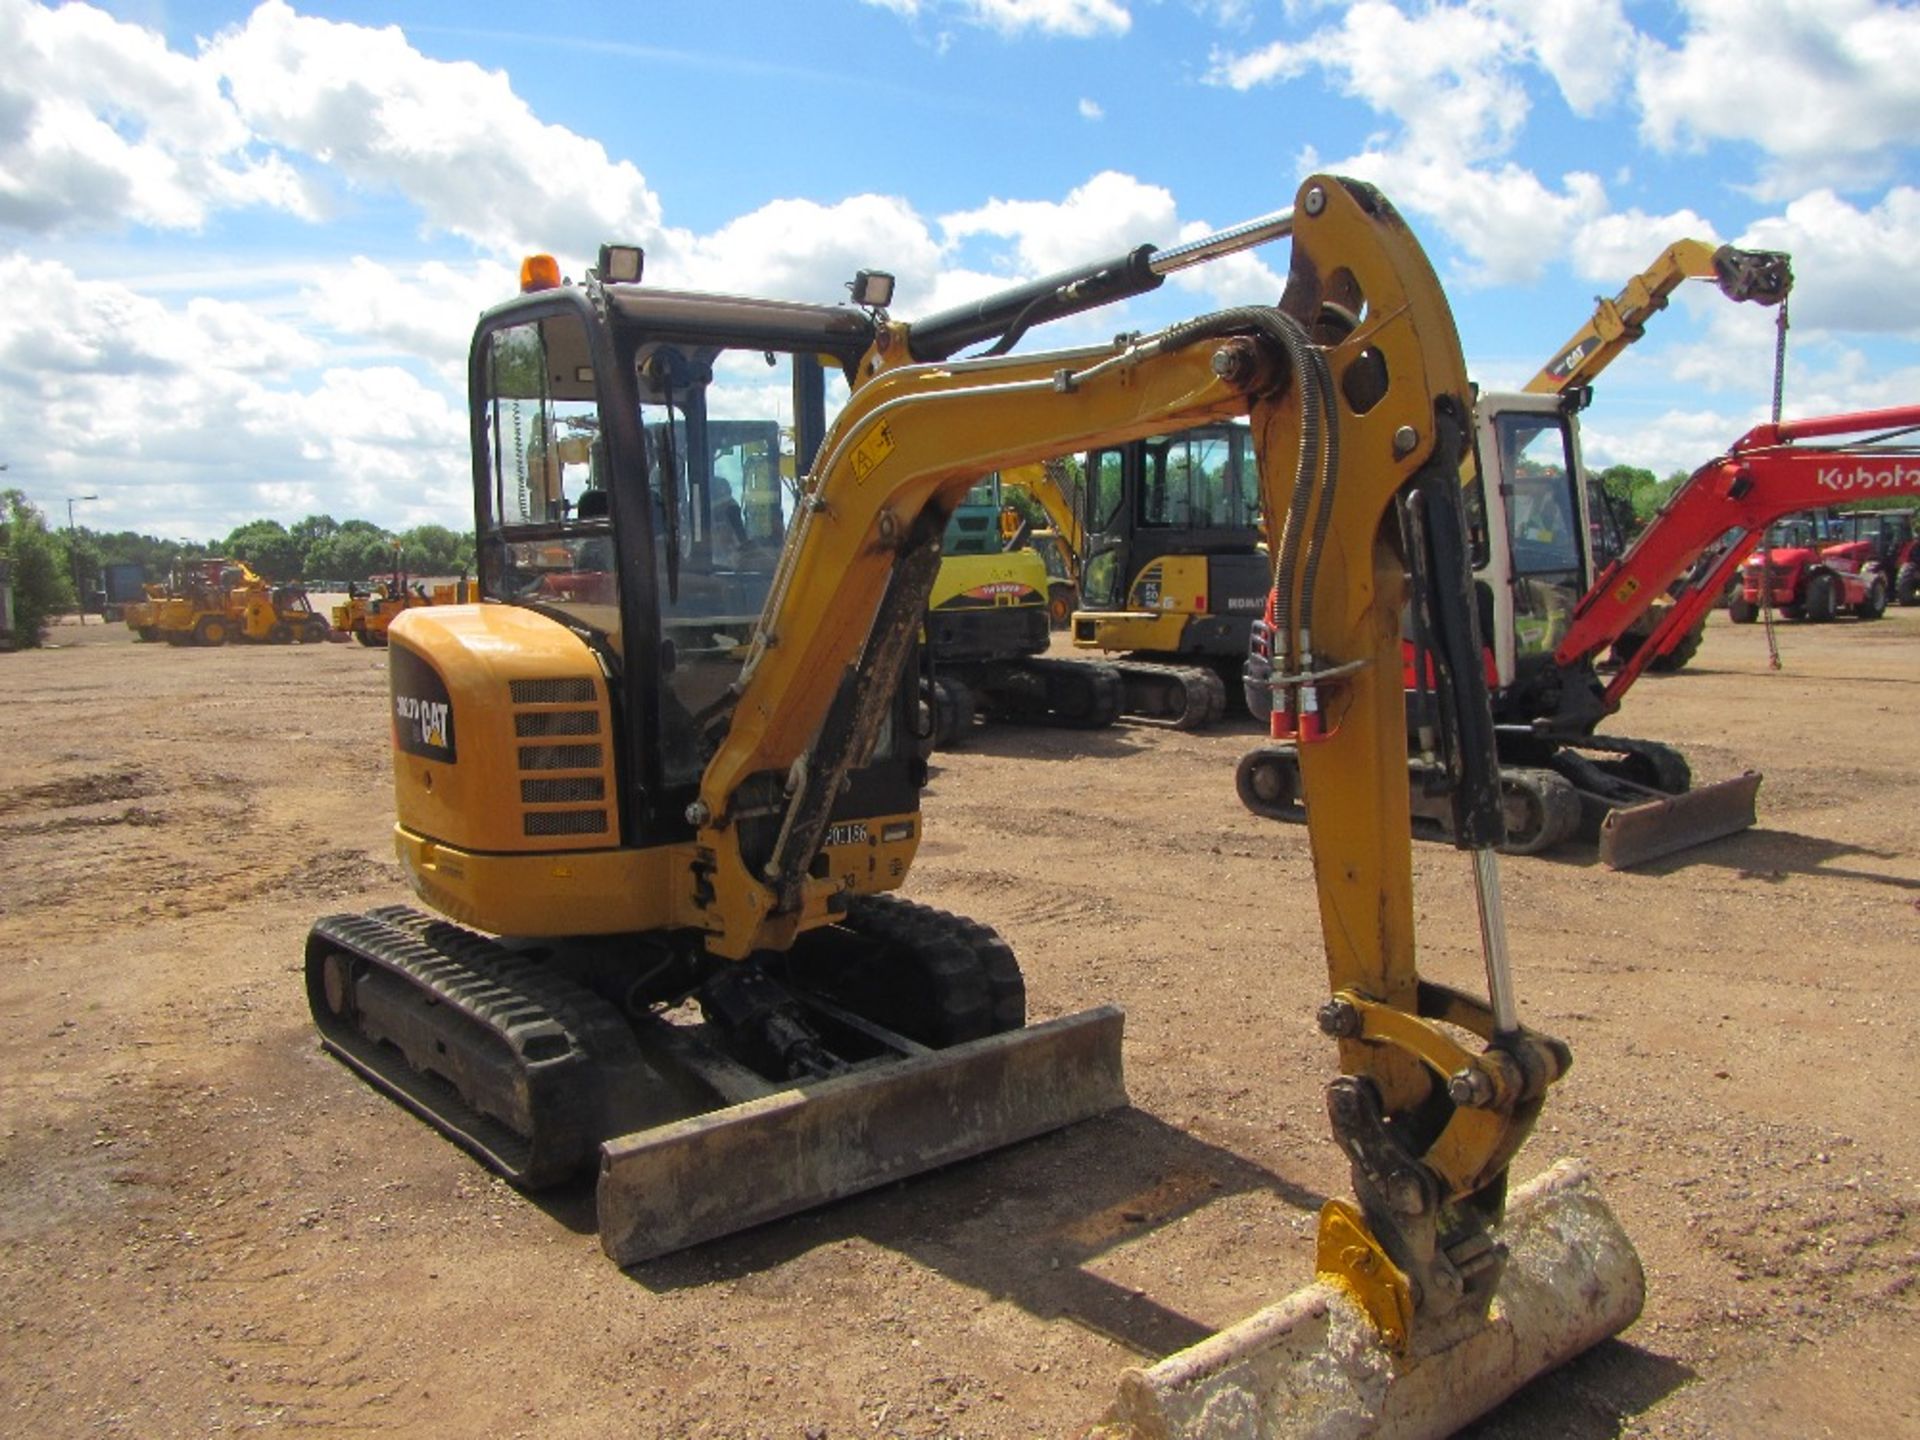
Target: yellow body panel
1123	630
1010	577
477	837
490	658
1167	593
613	892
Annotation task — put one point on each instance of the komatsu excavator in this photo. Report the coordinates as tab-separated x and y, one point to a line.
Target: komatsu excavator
1147	532
662	811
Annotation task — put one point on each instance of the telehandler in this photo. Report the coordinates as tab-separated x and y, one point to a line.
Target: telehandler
663	814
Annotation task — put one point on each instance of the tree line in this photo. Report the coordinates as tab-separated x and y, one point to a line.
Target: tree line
52	566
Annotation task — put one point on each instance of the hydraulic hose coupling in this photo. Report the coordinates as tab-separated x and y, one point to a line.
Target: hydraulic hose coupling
1312	726
1281	722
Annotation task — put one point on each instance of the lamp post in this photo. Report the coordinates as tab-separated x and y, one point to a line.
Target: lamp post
73	555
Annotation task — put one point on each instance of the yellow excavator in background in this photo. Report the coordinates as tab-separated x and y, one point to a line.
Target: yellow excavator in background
661	783
1759	277
988	628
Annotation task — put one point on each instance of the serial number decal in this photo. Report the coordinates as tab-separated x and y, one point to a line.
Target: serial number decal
431	719
847	832
870	452
1867	477
422	709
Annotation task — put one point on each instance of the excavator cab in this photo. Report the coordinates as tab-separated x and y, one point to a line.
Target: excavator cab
611	451
1172	522
1535	556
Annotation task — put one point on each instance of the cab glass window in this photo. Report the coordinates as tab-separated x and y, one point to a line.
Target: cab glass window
723	486
547	540
1201	479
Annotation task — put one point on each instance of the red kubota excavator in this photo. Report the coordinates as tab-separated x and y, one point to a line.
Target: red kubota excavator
1557	772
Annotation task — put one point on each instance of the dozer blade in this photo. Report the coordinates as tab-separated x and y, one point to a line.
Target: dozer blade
679	1184
1636	834
1313	1365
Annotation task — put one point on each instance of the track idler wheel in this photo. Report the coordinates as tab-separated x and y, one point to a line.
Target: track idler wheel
1541	810
1268	782
953	712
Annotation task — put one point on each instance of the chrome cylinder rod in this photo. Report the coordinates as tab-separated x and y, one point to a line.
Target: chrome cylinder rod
1222	242
1493	941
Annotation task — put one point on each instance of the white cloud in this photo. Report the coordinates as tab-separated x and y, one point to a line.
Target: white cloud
1477	208
1077	18
1265	65
1854	269
184	418
803	250
101	125
1587	46
425	311
454	139
1110	213
1446	75
1090	110
1443	73
1825	87
1610	249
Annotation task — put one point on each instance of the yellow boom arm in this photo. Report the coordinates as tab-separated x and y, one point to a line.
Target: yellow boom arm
1357	393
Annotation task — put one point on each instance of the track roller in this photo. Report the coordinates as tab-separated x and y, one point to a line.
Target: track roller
1183	697
1078	694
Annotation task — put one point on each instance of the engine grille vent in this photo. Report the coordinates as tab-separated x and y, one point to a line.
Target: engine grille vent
574	790
566	822
556	722
544	781
572	690
559	757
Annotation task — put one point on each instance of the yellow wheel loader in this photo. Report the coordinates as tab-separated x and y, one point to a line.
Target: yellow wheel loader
143	615
660	787
216	601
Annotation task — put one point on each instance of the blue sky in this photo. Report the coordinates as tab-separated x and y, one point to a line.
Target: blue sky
244	245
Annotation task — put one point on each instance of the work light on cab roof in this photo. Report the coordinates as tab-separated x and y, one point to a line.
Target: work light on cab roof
621	264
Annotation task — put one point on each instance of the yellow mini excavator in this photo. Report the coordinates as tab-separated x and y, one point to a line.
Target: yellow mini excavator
661	782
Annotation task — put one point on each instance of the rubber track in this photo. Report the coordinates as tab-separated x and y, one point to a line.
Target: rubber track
553	1032
1191	679
925	930
1675	775
1094	686
1559	805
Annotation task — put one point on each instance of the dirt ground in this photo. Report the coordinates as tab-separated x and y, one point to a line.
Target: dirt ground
208	1226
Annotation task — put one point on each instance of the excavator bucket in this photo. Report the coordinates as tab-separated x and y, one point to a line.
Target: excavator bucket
1315	1366
691	1180
1635	834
